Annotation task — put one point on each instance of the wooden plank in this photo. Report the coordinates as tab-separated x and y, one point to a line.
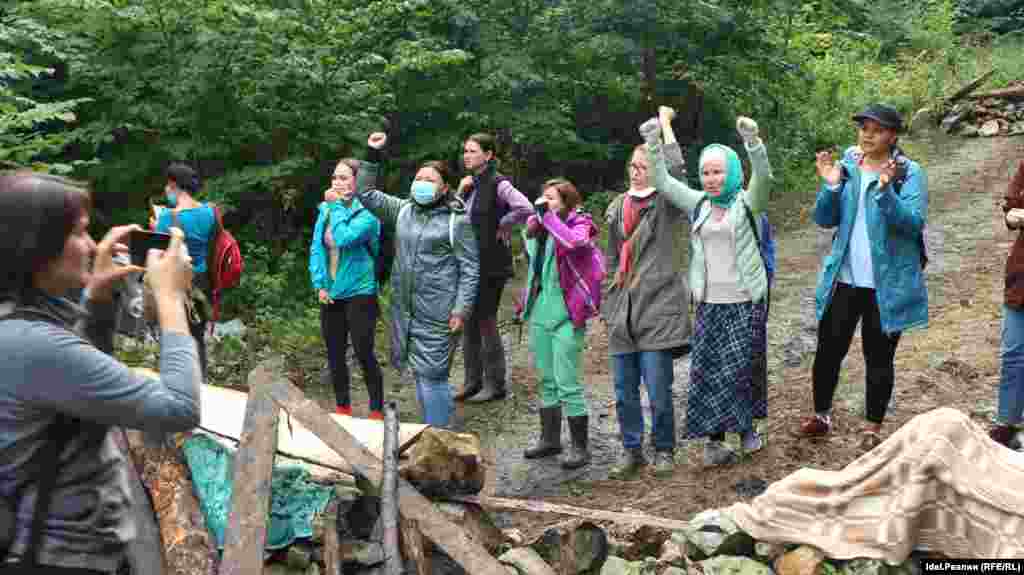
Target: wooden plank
389	493
557	508
415	547
246	533
331	550
472	556
223	413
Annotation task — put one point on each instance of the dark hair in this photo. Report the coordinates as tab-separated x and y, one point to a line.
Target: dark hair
184	177
352	163
486	141
566	190
37	214
440	167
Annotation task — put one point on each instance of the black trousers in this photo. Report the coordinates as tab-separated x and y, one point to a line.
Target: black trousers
355	317
835	332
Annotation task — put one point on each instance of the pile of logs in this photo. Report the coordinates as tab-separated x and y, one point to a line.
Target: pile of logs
985	114
420	517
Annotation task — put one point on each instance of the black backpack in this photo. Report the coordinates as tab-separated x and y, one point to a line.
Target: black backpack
385	256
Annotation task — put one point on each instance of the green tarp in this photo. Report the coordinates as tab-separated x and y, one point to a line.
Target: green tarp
294	499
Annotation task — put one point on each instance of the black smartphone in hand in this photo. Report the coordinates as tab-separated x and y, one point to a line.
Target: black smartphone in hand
141	241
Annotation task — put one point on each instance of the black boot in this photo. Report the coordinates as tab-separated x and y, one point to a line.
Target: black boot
493	370
550	442
579	453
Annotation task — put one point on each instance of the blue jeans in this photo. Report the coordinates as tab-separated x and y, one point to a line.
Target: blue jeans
655	369
1011	381
435	398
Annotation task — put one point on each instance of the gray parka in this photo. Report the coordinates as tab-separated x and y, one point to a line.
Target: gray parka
653	314
431	279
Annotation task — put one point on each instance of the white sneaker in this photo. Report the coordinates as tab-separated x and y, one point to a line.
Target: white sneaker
752	441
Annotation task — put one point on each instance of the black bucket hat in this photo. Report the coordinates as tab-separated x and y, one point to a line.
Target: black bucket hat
885	115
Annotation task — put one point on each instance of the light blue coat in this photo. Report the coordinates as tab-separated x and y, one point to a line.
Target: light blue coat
356	232
895	225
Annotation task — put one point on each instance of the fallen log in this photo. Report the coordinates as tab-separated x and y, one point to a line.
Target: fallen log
970	87
145	554
1014	93
389	493
472	556
246	533
188	547
503	503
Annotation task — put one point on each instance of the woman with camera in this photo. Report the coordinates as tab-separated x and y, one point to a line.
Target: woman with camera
65	500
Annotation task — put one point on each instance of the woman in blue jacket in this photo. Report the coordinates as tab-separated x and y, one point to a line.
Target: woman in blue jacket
346	240
877	199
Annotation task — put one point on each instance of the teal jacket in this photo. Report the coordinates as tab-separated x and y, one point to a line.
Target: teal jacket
895	226
357	234
749	264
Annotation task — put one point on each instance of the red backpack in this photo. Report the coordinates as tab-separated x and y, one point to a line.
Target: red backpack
224	262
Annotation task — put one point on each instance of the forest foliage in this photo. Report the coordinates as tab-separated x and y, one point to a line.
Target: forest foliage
263	96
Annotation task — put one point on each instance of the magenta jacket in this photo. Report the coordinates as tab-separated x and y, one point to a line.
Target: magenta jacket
580	263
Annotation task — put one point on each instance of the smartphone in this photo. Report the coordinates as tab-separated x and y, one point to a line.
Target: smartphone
140	242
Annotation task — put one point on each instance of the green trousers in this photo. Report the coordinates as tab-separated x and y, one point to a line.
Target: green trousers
557	355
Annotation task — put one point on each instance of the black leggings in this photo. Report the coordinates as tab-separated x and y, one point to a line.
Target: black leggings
356	316
835	332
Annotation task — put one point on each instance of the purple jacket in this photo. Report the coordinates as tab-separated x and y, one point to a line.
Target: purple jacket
580	263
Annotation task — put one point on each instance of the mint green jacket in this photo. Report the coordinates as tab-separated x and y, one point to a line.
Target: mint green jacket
751	268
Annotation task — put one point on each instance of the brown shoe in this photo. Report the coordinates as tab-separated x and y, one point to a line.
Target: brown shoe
815	426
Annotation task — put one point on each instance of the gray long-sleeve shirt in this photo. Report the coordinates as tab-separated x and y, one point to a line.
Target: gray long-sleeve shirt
46	369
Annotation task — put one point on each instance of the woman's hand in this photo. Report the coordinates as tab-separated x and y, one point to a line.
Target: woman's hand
377	140
828	168
324	297
169	272
465	183
651	131
455	323
331	196
106	273
748	130
666	115
887	173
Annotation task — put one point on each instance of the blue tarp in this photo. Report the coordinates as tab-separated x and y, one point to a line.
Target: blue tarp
294	499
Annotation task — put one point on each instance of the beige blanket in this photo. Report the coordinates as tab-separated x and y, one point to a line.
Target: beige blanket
938	484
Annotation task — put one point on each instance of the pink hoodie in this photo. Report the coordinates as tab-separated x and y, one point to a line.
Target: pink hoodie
580	263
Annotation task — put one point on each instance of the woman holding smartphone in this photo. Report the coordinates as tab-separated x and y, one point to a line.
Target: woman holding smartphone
62	391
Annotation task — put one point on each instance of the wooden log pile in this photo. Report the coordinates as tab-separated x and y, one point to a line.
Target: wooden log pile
379	519
986	114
